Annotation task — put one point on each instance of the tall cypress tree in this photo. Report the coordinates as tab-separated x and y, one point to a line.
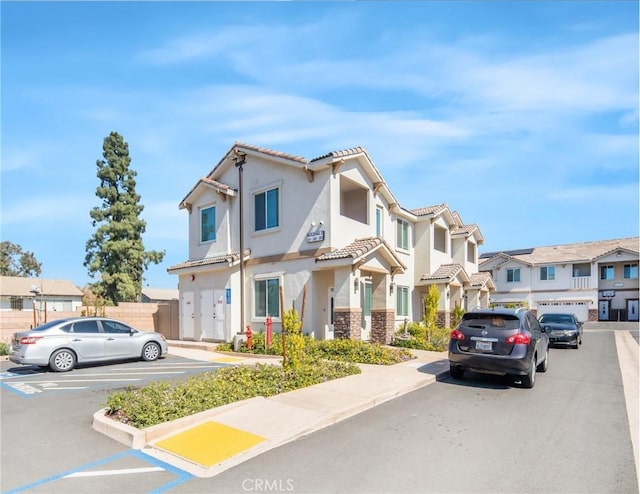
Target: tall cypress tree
115	252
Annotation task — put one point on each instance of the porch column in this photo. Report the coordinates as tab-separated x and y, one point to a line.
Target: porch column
347	323
382	312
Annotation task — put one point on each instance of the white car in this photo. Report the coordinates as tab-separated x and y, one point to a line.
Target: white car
63	343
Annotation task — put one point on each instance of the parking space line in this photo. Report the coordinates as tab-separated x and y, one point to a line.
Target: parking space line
122	471
157	466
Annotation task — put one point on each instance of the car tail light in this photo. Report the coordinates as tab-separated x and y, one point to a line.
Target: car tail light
29	340
518	339
456	334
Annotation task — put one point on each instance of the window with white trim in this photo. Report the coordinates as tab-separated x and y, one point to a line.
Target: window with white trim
208	224
402	234
402	300
379	217
266	297
631	271
607	272
513	275
547	273
368	293
267	209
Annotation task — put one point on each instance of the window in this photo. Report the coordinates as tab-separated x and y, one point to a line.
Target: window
267	297
266	210
402	300
208	224
440	239
16	303
631	271
513	275
582	269
548	273
378	221
402	237
471	252
86	327
367	298
115	327
606	272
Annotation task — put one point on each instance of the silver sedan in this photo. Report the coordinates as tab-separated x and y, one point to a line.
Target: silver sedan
63	343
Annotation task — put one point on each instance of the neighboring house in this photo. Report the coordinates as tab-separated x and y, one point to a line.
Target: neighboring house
159	294
329	235
595	280
19	293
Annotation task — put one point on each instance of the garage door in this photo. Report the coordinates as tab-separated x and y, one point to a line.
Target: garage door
580	308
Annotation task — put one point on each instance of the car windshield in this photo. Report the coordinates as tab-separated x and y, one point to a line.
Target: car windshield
48	325
559	318
491	321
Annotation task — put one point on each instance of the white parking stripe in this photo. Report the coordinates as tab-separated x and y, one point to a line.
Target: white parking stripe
81	381
124	471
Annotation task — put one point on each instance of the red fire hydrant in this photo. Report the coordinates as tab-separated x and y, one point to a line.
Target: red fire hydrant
249	337
269	330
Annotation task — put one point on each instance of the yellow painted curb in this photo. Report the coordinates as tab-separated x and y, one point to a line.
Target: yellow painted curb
210	443
227	360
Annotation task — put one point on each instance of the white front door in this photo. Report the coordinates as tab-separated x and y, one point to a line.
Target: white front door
603	310
188	315
207	314
632	310
219	326
329	328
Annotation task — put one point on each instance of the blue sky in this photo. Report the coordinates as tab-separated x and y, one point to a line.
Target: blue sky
521	116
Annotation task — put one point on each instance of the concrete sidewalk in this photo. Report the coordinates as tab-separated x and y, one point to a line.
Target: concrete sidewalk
210	442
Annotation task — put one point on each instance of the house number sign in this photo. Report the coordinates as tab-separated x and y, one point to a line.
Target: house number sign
315	236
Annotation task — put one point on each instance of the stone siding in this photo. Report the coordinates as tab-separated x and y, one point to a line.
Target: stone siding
382	326
346	323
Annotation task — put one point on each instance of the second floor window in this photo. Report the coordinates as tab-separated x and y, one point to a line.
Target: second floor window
631	271
606	272
548	273
208	224
513	275
266	295
402	300
402	237
378	221
266	210
582	269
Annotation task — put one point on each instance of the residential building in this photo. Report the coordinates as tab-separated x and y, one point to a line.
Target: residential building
150	295
598	281
20	293
269	231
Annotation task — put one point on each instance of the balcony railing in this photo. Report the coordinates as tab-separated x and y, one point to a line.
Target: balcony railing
582	282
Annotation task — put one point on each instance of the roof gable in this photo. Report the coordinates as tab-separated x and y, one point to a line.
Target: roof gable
19	286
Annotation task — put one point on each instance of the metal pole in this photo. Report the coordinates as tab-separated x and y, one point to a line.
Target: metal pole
239	162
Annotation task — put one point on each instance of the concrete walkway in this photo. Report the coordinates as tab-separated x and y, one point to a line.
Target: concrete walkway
210	442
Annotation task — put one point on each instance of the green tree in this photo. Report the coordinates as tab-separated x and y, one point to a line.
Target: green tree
115	252
431	303
16	262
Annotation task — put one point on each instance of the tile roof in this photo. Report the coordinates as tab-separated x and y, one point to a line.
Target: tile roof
271	152
161	293
444	272
207	261
19	286
429	210
464	229
356	249
479	280
585	251
340	154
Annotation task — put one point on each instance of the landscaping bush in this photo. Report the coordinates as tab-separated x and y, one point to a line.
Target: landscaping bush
360	352
436	340
4	348
160	402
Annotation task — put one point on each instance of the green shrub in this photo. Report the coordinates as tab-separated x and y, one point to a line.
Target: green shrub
357	351
420	338
4	348
160	402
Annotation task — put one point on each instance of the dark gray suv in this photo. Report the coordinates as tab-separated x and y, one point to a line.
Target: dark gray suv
499	341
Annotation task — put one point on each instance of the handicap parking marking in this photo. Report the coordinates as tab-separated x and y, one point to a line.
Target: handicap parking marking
91	470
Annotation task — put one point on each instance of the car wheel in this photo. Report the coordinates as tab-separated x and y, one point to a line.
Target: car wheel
576	345
544	365
62	360
151	351
529	380
456	372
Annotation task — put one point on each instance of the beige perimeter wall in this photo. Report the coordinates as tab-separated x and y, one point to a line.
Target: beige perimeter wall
141	316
